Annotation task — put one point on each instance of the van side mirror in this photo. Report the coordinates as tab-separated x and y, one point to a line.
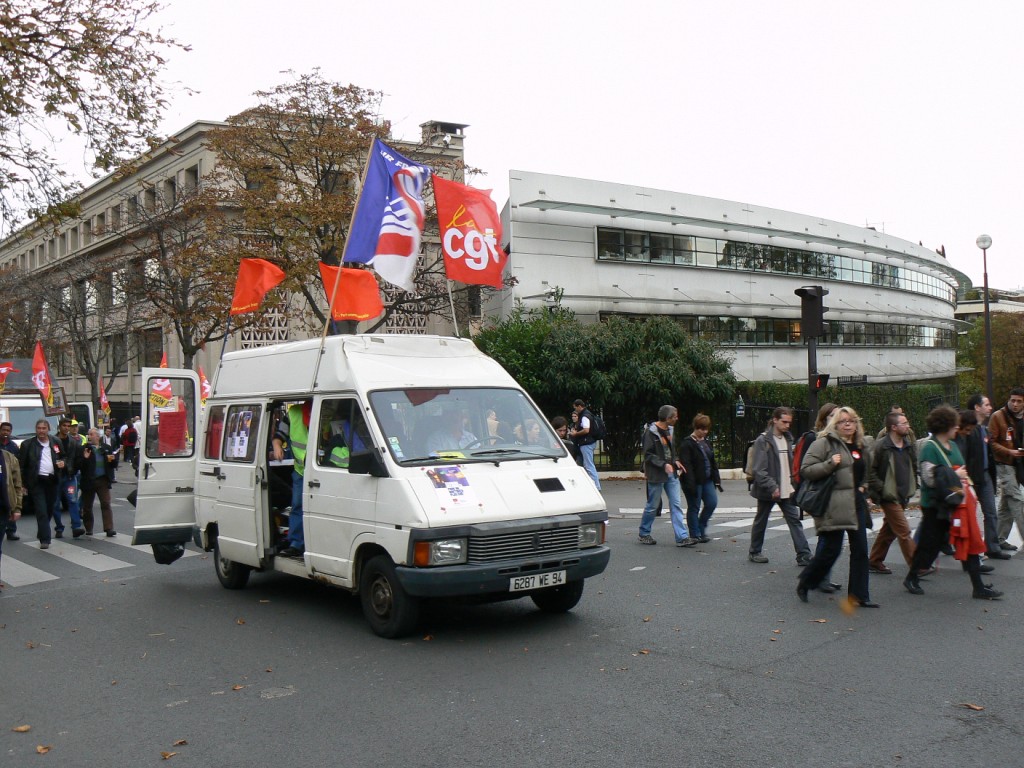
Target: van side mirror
367	463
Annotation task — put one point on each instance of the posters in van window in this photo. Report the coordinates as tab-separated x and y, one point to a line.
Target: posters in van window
452	487
239	432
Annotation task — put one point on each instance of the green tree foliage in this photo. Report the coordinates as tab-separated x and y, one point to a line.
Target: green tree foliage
624	368
90	67
1007	356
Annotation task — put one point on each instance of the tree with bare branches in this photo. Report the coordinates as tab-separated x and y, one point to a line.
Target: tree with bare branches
89	67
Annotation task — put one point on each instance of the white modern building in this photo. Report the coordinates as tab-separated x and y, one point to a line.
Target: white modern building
728	272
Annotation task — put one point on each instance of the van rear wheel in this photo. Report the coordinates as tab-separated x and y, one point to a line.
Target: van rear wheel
231	575
558	599
389	609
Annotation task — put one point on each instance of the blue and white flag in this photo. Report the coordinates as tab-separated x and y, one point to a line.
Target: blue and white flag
389	216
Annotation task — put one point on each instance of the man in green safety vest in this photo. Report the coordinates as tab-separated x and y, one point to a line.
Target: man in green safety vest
293	429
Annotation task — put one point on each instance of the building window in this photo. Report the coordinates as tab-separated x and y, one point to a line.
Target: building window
661	248
151	347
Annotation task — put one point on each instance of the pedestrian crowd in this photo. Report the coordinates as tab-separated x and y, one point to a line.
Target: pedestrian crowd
49	475
836	473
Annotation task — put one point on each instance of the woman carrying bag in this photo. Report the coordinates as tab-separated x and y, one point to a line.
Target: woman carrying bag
839	451
945	485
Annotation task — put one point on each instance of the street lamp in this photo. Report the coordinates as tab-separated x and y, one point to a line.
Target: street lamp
985	242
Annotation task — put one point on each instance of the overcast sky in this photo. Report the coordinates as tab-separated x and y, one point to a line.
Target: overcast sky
905	115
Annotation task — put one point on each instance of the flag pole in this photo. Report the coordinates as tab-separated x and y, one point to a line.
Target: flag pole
337	279
227	332
451	303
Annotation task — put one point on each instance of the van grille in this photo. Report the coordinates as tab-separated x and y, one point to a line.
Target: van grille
510	546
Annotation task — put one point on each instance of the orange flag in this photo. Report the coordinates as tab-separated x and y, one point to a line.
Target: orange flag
256	278
41	375
358	296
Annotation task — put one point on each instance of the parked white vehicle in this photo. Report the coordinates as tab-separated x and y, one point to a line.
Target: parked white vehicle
23	411
455	484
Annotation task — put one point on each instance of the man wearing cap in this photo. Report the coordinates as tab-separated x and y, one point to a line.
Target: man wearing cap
71	447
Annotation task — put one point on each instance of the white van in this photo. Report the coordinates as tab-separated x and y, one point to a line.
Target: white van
455	484
24	410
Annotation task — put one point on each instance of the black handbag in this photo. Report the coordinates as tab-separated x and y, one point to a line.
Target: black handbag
814	495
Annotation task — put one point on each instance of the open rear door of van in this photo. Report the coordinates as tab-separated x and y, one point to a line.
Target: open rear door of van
168	445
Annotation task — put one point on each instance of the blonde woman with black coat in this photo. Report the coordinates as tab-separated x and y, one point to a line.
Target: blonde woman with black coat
840	451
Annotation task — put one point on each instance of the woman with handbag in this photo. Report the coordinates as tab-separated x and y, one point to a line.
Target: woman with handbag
944	480
839	452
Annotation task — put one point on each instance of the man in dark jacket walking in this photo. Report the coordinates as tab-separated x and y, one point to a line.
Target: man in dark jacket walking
662	468
41	460
773	484
981	467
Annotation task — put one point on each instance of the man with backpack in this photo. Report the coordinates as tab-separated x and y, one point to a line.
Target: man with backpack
129	440
586	434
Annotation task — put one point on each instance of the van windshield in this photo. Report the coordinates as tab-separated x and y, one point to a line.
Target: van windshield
23	418
435	425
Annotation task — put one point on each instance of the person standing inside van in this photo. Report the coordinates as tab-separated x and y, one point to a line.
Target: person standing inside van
293	429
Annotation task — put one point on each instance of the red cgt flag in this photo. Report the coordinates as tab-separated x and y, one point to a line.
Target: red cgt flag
358	296
104	402
41	375
470	234
256	278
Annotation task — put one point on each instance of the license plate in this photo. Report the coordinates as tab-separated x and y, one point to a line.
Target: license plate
536	581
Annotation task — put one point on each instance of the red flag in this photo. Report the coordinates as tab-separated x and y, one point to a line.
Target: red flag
41	375
204	386
358	296
104	403
6	368
470	234
256	277
160	391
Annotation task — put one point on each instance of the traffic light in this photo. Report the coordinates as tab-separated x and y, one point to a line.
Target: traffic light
820	382
812	322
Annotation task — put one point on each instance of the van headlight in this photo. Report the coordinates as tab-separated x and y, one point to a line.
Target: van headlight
441	552
591	535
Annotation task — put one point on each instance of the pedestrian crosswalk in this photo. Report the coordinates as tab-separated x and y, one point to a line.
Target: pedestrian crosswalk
24	564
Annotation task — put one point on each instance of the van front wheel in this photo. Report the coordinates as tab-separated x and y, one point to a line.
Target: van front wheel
558	599
231	575
390	611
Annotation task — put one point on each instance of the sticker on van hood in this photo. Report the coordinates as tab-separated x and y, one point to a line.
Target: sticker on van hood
452	486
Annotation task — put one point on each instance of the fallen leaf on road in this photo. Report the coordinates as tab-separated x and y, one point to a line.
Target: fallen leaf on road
973	707
42	750
428	637
237	687
30	645
773	639
776	631
647	618
22	728
239	621
167	755
179	743
270	669
645	652
817	621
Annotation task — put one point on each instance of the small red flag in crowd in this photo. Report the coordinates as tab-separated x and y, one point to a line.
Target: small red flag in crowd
204	386
256	278
41	375
358	296
470	234
104	402
6	368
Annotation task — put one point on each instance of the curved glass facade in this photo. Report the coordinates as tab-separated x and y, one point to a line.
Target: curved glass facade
689	251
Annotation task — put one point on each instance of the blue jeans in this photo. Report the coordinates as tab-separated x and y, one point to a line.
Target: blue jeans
705	495
587	452
295	533
671	489
67	491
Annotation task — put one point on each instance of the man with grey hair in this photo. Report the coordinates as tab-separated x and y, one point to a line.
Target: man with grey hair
773	484
97	467
662	468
